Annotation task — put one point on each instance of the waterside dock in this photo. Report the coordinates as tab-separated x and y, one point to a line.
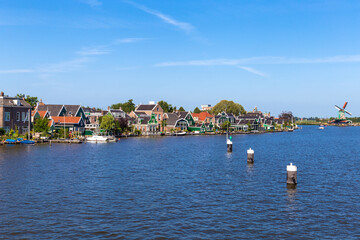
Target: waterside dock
76	141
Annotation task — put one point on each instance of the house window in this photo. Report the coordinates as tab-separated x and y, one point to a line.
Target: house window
24	116
18	116
7	129
7	117
24	130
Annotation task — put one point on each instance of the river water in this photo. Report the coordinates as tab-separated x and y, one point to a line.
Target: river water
184	188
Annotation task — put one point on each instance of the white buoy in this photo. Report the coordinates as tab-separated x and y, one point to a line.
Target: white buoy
291	174
250	155
229	145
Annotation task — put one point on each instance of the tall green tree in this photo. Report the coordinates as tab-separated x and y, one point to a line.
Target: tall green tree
31	100
181	109
164	105
225	125
197	110
41	125
228	107
126	106
107	123
171	108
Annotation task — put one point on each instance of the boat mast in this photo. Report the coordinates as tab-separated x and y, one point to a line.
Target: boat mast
29	124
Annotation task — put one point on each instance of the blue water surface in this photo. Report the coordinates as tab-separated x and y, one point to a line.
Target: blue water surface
184	188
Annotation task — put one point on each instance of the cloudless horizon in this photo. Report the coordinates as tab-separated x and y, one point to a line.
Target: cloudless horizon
299	56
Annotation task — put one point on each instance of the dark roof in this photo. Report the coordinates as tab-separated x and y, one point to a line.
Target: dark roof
53	109
90	110
140	113
182	114
244	121
9	101
145	107
172	118
116	110
71	110
87	109
145	119
252	115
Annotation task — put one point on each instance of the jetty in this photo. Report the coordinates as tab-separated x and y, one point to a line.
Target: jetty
74	141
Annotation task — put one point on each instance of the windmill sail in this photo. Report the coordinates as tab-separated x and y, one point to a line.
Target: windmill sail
345	105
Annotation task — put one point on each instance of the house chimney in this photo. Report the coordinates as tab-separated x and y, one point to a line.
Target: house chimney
2	94
108	108
41	102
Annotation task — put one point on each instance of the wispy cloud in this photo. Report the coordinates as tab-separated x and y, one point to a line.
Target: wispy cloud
252	70
66	66
12	71
92	3
187	27
128	40
262	60
93	51
86	55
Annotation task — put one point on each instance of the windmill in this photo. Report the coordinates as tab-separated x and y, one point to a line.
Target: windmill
341	119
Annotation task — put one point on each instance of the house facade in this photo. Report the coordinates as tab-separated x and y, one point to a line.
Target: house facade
174	121
15	113
71	117
73	124
150	109
148	125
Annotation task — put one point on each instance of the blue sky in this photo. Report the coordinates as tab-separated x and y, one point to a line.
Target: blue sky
302	56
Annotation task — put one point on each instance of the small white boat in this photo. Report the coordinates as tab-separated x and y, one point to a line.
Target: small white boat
321	128
180	134
97	139
111	139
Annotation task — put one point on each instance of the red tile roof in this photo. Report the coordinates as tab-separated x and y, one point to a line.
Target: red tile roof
42	113
69	120
202	116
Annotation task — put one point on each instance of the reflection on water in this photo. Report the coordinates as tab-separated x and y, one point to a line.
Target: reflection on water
291	192
249	168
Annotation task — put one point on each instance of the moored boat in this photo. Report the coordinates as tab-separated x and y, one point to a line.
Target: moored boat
10	141
180	134
97	138
27	142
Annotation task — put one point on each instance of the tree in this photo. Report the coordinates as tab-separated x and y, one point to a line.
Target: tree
164	105
163	124
289	118
126	106
228	107
2	131
41	125
249	126
61	133
122	124
107	123
181	109
197	110
31	100
172	109
225	125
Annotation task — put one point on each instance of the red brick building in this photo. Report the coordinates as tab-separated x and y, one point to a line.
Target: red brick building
14	113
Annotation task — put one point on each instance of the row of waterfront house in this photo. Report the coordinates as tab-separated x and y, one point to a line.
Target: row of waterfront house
147	119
